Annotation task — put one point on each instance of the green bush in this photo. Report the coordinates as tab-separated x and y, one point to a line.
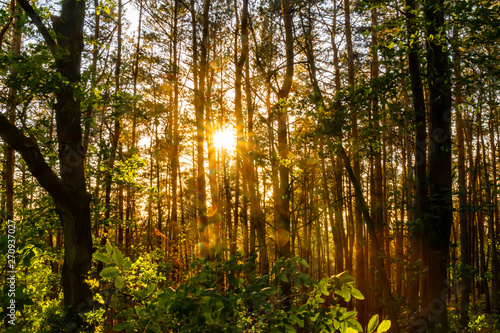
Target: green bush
226	296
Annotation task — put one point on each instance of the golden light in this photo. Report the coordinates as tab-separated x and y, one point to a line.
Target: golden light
225	139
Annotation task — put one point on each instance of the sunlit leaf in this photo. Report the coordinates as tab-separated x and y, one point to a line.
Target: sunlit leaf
384	326
105	259
109	272
373	323
119	282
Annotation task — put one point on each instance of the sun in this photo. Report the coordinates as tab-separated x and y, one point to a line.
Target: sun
225	139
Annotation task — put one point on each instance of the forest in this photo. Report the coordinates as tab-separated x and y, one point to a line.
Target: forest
250	166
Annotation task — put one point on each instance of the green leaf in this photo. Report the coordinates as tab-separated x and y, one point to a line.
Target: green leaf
323	288
384	326
373	323
303	263
344	293
345	278
208	318
117	257
343	326
350	315
290	328
351	330
27	259
119	282
354	324
121	326
105	259
357	294
233	281
139	294
127	264
109	272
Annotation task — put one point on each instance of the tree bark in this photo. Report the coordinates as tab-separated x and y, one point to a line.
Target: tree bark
69	191
465	255
437	228
389	301
11	111
377	204
283	206
200	134
421	192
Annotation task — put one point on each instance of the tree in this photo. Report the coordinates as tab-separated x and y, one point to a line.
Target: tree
68	190
200	136
283	205
437	229
421	210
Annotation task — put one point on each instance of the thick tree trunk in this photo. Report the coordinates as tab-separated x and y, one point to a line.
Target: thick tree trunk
438	228
69	192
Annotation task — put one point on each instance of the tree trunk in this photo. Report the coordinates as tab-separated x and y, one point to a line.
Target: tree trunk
438	228
389	302
11	111
200	135
377	204
465	255
69	191
175	148
283	206
421	193
117	129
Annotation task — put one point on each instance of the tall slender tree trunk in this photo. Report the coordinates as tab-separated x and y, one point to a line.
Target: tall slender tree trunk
256	213
421	192
492	227
115	136
10	156
283	206
238	111
377	204
465	255
175	148
11	111
130	200
358	219
389	302
200	132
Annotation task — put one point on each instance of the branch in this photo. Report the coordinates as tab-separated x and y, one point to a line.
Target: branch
39	24
4	30
31	154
